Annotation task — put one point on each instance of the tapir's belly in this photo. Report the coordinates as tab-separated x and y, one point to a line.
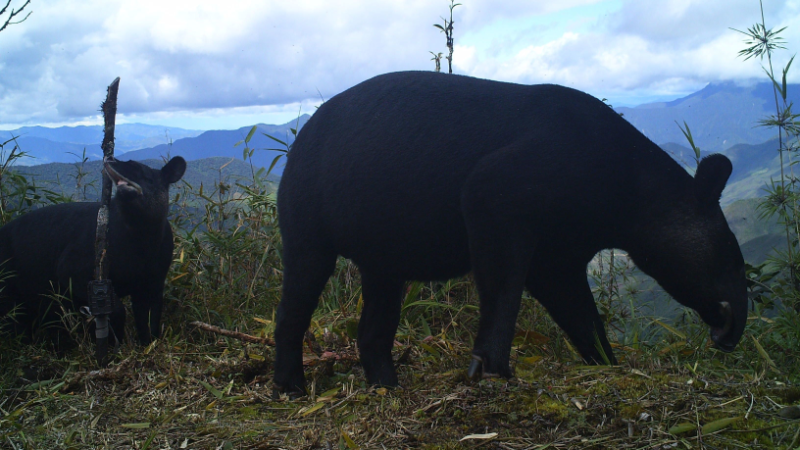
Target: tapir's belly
413	239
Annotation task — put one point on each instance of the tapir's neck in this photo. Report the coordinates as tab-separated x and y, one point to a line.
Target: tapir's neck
665	194
137	223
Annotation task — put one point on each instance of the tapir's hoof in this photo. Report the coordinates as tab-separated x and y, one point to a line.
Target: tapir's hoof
293	387
476	369
278	391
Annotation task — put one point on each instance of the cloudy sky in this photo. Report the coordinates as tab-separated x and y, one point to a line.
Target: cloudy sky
225	64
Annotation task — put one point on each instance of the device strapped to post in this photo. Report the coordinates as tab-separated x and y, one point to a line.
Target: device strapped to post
102	301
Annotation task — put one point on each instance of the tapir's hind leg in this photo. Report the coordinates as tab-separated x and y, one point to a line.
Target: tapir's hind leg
496	202
499	263
305	273
565	293
377	327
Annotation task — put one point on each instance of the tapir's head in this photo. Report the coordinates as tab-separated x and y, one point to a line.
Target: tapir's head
143	192
692	253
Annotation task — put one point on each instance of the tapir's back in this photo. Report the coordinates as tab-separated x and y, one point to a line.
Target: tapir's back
379	169
33	243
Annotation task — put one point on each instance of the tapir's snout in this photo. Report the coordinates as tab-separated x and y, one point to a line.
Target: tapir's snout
727	336
122	182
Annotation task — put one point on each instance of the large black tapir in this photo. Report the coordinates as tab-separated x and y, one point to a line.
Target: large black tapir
52	249
426	176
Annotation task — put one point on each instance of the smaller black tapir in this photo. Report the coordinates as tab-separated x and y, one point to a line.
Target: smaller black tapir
52	249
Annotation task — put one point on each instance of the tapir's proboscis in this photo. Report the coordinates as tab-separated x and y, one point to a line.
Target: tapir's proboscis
425	176
51	250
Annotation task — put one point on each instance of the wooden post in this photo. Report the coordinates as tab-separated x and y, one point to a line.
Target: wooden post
101	292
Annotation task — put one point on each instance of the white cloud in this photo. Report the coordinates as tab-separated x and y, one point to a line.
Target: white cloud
203	54
672	48
204	57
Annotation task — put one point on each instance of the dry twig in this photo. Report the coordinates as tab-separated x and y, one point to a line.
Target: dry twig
234	334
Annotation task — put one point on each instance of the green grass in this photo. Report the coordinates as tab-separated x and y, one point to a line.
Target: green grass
209	391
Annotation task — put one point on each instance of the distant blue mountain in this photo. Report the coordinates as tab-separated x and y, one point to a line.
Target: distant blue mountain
221	143
720	115
44	143
43	151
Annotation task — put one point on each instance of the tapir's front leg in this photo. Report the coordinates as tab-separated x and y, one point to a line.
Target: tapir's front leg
147	307
564	291
377	327
156	308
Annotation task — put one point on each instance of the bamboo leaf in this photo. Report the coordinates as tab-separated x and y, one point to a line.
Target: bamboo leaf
530	360
329	394
136	426
313	409
775	83
764	354
274	161
149	440
351	326
276	139
216	392
682	428
672	347
430	349
349	441
718	425
671	329
250	134
426	329
785	71
479	436
439	305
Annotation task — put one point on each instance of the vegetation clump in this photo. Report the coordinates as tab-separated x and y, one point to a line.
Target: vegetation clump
193	389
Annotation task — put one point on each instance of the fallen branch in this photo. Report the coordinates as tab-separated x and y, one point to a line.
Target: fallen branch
234	334
329	358
319	354
110	373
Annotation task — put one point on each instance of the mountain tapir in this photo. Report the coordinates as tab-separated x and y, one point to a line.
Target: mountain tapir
426	176
52	249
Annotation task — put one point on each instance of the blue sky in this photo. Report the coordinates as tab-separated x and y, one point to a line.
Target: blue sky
220	65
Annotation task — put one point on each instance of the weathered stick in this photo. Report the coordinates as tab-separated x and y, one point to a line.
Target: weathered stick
234	334
101	291
109	108
111	373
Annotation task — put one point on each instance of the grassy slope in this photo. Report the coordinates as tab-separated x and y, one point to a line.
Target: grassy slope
194	390
191	391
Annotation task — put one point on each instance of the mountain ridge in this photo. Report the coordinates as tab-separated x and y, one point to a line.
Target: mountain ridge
129	136
720	115
221	143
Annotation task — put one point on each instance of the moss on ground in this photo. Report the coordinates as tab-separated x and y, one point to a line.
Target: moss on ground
192	392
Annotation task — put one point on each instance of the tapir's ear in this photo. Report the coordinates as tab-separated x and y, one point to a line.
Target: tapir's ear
709	180
174	169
